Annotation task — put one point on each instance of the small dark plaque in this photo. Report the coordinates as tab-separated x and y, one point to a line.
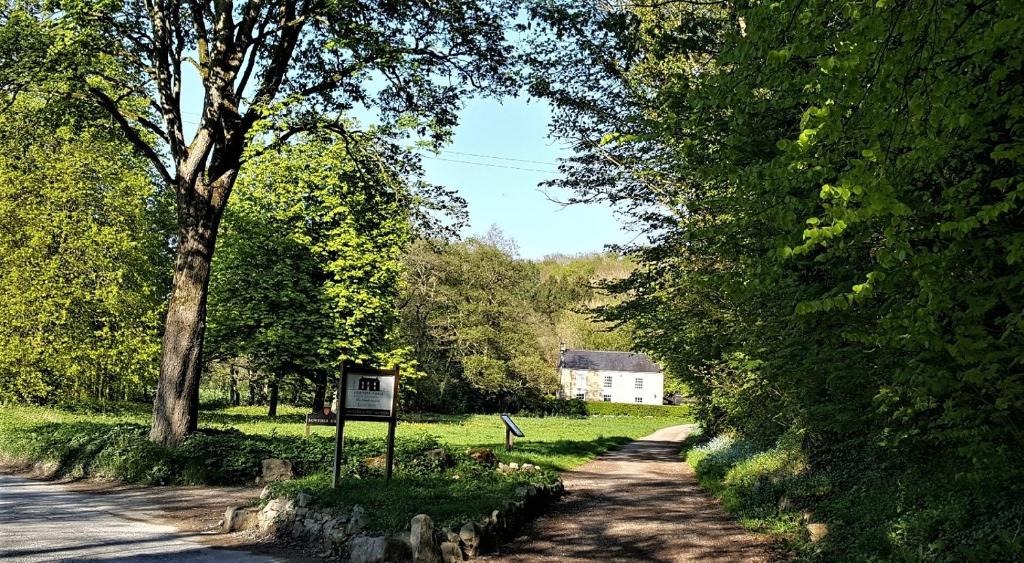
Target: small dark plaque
512	427
320	419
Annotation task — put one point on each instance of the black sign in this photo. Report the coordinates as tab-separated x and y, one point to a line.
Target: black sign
512	427
320	419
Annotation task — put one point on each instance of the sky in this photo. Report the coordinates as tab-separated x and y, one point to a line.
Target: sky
500	153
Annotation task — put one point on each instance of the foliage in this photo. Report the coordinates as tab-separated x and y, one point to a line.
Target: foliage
632	409
832	191
82	256
307	273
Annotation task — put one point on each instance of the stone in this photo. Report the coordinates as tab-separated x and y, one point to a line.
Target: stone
273	515
276	470
421	539
784	504
470	536
441	457
397	548
483	456
817	531
531	491
337	536
521	492
807	516
529	467
363	549
303	499
376	463
451	552
357	521
513	466
453	537
240	518
265	493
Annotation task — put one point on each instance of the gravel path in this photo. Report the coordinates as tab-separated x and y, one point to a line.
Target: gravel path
637	503
41	521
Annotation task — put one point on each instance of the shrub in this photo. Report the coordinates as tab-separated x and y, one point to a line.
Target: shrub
631	409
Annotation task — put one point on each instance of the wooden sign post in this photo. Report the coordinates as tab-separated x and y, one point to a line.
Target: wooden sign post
370	394
511	429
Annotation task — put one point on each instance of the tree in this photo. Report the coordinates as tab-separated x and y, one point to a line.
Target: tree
832	190
82	250
468	314
268	69
308	270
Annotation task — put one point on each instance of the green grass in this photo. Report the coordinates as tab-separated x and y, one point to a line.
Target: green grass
110	443
557	443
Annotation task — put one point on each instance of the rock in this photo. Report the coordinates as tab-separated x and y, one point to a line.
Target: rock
529	467
817	531
357	521
441	457
531	491
397	548
265	493
521	492
303	499
483	456
276	470
379	462
364	549
451	552
513	466
240	518
807	516
421	539
453	537
272	515
784	504
470	536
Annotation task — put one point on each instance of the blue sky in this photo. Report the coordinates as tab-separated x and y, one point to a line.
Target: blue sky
485	164
504	192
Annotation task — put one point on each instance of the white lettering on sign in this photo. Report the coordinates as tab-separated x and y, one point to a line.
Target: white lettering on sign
369	395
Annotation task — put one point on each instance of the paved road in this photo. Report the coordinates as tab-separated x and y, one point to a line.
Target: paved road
637	503
42	521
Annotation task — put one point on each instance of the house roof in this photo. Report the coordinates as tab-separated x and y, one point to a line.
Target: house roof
609	361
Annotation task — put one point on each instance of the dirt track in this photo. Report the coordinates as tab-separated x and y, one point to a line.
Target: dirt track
637	503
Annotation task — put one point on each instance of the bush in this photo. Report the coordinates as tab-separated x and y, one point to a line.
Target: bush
631	409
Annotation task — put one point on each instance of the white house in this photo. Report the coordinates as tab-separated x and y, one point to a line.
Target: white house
617	377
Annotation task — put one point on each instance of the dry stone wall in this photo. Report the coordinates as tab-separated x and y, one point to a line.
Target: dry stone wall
344	535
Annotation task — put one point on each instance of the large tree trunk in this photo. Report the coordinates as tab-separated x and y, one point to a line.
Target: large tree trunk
176	405
274	396
236	397
319	391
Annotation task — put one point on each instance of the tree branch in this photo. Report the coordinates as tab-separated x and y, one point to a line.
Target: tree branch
132	134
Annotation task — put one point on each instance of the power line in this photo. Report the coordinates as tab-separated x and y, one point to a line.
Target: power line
501	157
490	164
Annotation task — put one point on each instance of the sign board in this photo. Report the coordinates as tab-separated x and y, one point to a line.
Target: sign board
369	394
320	419
512	426
366	393
511	429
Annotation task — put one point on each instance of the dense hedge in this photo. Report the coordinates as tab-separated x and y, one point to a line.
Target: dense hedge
631	409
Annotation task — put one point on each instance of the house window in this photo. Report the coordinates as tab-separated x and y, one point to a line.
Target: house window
607	381
639	383
638	400
580	396
607	398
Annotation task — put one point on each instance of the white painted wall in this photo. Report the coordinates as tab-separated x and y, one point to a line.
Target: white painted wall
623	385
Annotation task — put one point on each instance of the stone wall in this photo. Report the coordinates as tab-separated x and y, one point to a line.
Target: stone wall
343	534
